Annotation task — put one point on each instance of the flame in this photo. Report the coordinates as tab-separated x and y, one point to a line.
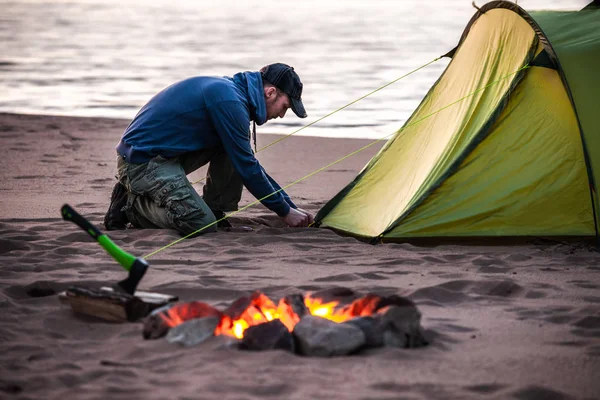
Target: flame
180	313
261	310
265	312
172	318
258	309
239	327
270	315
324	310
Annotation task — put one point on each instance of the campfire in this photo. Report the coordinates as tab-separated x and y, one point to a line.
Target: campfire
329	322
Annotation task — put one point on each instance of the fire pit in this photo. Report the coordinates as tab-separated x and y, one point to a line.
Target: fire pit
330	322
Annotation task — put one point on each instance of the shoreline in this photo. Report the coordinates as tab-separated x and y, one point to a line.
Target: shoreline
293	127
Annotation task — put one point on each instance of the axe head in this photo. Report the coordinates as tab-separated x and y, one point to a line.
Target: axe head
136	273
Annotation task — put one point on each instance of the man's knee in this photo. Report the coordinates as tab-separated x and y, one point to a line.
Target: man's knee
195	225
170	201
189	217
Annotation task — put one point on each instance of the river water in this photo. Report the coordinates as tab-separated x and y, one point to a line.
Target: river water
107	58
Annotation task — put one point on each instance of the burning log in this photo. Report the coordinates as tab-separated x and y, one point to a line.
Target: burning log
245	312
258	309
158	323
291	309
113	306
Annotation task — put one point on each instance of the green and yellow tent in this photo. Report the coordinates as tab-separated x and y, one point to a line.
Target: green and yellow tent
519	155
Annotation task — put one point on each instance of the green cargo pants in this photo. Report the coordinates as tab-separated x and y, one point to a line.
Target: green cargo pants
161	196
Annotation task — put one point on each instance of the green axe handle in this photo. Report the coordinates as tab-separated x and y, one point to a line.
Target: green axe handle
121	256
136	266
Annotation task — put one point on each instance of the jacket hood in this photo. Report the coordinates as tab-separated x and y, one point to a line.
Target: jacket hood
251	84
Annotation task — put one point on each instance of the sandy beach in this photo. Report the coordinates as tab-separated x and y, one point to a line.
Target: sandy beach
505	320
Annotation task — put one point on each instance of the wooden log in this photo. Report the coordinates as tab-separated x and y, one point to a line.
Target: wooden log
150	297
110	305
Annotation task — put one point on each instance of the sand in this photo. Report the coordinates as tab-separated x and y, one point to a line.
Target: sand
506	320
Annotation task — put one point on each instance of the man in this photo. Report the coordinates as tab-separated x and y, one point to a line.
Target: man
191	123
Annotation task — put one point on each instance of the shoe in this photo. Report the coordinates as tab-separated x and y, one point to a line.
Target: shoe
222	223
115	218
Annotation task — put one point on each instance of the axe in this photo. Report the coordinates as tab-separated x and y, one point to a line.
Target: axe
135	266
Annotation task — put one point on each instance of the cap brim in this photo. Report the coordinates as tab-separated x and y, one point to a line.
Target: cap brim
298	107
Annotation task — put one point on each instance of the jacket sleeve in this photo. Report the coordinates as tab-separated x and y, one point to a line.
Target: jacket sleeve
277	187
231	122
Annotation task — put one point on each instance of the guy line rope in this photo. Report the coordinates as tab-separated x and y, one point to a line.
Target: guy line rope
341	108
346	156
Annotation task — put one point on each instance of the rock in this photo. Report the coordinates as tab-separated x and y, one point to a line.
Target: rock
370	328
221	342
396	324
395	300
154	327
193	332
401	326
320	337
268	336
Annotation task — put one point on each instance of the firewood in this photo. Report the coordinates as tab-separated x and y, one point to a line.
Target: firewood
110	305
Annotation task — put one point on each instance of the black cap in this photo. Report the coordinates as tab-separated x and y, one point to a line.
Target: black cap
287	80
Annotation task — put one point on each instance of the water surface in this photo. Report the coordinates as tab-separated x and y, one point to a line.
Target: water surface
107	58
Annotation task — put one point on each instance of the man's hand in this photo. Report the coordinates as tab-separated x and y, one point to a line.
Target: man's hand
298	218
311	219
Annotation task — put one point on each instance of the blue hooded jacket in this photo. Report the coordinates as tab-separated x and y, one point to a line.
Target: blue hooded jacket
202	113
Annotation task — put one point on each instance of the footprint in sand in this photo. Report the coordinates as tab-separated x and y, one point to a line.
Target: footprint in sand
9	128
73	171
102	180
455	257
337	278
535	294
518	258
7	245
492	269
594	351
372	275
588	326
539	392
459	291
584	284
29	177
484	388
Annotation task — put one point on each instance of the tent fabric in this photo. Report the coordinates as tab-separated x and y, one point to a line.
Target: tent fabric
575	39
500	188
511	158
